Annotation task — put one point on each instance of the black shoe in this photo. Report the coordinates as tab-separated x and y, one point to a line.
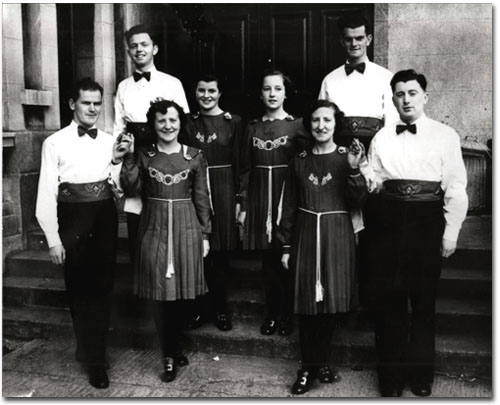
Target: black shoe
169	370
421	389
301	386
390	391
180	360
285	327
222	322
326	375
268	327
195	322
98	377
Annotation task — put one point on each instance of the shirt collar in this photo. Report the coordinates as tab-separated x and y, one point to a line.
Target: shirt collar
365	60
421	119
152	69
74	125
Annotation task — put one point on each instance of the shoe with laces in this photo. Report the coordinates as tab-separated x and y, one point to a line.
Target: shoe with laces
268	327
301	385
326	375
169	370
222	322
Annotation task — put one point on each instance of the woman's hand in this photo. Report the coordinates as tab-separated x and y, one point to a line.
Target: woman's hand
124	144
284	260
206	247
237	212
356	153
241	218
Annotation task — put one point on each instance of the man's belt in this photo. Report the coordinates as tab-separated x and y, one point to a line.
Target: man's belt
360	126
412	190
84	192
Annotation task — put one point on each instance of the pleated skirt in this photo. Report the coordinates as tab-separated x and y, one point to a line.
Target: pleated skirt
224	233
255	236
150	279
337	264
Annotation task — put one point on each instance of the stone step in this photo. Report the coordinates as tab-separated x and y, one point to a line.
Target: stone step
453	315
353	348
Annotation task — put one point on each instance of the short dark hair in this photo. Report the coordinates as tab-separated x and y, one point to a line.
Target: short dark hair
276	72
354	20
161	106
338	114
85	84
140	29
406	76
210	77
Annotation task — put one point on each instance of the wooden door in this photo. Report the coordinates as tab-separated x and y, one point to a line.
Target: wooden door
238	41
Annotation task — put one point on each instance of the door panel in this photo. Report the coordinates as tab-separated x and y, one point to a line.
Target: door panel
238	41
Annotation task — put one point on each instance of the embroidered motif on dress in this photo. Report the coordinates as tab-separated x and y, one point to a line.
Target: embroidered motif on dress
209	139
270	144
315	180
168	179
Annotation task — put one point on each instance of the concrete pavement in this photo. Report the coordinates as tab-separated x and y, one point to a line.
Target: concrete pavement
46	369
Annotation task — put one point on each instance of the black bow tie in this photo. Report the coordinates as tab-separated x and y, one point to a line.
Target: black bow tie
360	67
91	132
138	76
410	128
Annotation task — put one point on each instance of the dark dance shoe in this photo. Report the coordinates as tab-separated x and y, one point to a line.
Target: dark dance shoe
390	391
268	327
302	385
195	322
421	389
98	377
222	322
169	370
285	327
326	375
180	360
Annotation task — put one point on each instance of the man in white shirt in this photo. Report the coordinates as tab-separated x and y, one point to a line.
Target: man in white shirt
77	213
132	102
416	171
359	87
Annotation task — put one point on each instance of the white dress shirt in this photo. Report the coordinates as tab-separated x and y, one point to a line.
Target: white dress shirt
133	98
367	94
68	157
432	154
132	103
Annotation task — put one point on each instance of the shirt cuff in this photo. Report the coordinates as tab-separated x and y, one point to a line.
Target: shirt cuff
286	249
451	233
354	172
53	239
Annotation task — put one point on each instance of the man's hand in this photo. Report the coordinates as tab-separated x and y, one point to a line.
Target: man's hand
448	247
206	247
356	153
284	260
57	254
124	144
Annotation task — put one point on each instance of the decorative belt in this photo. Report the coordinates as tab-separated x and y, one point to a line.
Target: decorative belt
412	190
319	287
269	219
220	166
84	192
361	126
170	237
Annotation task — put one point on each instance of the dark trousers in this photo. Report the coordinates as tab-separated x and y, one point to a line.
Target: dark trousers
89	235
168	317
133	221
405	242
278	285
315	337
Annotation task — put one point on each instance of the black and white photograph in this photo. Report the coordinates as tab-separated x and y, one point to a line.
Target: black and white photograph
247	200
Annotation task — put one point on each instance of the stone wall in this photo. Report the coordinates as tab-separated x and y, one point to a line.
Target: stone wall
452	45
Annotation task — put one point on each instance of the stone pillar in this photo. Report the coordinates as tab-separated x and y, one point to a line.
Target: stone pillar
105	66
13	68
42	65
